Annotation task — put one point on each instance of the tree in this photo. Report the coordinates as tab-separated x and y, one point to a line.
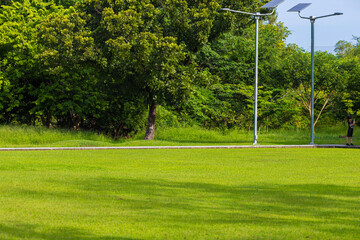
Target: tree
145	46
295	70
20	71
349	63
231	59
70	89
347	49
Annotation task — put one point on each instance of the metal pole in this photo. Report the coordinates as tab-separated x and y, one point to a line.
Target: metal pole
312	20
272	4
256	75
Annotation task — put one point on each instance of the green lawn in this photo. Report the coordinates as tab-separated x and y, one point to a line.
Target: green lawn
180	194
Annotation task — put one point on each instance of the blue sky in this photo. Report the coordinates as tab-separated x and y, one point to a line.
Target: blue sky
328	31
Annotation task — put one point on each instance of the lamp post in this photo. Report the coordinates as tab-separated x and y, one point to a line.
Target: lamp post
298	8
272	5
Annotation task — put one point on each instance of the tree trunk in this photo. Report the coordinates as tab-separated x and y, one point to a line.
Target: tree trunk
323	107
46	119
250	124
150	128
75	120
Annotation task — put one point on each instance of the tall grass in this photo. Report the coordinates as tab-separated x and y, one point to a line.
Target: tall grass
25	136
281	136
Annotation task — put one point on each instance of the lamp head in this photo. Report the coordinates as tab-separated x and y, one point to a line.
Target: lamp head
272	4
299	7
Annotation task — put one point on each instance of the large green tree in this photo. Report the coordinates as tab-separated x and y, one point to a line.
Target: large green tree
231	59
345	49
70	91
19	69
146	47
349	61
295	71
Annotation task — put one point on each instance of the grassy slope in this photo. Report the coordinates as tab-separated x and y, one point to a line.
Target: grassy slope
180	194
11	136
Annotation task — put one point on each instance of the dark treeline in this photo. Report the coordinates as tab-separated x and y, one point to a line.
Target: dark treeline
117	66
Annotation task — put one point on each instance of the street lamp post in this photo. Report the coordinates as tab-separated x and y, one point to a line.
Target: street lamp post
273	4
298	8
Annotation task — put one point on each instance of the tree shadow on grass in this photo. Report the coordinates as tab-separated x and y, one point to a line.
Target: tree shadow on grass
32	231
314	205
331	209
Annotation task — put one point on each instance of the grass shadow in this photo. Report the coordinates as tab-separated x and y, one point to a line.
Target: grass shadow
330	209
31	231
315	205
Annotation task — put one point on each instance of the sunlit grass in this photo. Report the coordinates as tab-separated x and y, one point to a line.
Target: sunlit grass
25	136
22	136
180	194
196	135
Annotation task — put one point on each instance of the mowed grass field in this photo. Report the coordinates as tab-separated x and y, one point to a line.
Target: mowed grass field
180	194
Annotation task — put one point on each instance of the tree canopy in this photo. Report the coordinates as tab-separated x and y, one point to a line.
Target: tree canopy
112	65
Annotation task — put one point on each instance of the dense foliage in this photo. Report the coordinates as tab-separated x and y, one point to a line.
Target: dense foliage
115	66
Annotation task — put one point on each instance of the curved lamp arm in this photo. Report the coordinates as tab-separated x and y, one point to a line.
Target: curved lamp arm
252	14
230	10
330	15
314	18
268	14
303	17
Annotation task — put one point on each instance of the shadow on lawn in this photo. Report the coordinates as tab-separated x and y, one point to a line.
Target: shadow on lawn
30	231
329	208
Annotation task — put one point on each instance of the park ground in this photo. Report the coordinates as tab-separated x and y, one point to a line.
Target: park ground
180	194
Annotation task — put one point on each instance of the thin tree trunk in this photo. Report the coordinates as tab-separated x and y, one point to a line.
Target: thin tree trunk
46	119
250	124
75	120
150	128
323	107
